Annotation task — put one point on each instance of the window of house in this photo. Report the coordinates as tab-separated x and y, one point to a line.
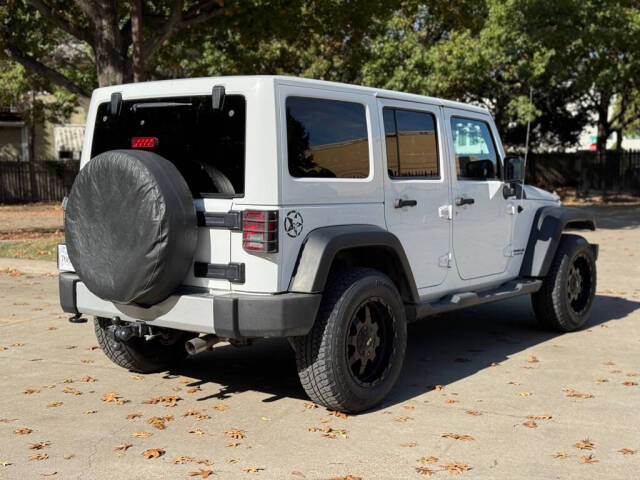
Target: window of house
412	144
475	151
327	138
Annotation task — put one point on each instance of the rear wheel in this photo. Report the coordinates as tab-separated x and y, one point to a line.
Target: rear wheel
139	354
353	355
565	300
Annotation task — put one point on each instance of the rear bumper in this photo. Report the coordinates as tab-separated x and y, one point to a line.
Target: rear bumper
230	315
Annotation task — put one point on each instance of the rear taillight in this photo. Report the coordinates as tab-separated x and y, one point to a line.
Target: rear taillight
144	142
260	231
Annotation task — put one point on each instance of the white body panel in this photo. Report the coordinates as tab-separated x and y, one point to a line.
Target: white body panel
483	240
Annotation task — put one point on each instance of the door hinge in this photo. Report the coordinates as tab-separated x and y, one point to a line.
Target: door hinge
445	260
445	211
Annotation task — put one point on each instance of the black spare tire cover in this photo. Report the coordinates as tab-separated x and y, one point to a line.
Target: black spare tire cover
130	227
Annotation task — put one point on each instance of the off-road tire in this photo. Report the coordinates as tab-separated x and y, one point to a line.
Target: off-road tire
552	304
138	354
322	354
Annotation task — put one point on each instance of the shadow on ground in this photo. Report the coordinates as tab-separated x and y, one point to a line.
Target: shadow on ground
441	350
616	216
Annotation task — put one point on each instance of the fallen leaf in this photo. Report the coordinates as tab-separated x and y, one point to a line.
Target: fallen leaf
455	467
233	444
450	401
630	384
530	424
54	404
39	445
48	474
338	414
402	418
86	361
544	416
153	453
22	431
137	377
30	391
494	364
87	379
608	363
525	394
532	359
38	456
201	473
236	460
4	463
573	394
601	380
560	455
457	436
428	459
123	447
424	471
141	434
194	389
627	451
235	433
68	456
93	347
589	458
584	445
409	444
112	397
131	416
197	431
252	469
66	380
220	406
439	388
473	412
71	391
310	405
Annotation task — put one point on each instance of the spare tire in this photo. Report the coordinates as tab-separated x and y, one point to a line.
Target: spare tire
130	227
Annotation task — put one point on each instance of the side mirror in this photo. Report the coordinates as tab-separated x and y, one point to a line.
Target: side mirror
513	169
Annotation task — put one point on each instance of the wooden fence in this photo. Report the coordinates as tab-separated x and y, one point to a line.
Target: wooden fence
43	181
618	172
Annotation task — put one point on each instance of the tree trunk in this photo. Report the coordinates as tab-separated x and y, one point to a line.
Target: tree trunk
33	184
110	64
618	139
136	36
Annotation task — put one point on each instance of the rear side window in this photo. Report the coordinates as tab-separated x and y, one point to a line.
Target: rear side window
476	157
327	138
412	144
207	146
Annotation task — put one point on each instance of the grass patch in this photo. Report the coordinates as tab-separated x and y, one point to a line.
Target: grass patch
40	248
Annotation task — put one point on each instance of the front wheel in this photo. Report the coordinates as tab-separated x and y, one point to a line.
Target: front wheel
564	302
353	355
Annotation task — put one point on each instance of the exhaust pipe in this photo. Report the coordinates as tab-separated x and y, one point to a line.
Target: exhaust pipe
200	344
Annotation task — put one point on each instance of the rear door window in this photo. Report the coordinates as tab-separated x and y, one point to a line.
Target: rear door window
475	151
206	146
327	138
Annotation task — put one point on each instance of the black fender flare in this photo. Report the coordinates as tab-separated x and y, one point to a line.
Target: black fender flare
321	246
546	231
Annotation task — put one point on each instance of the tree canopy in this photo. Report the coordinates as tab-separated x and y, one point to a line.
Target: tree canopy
577	57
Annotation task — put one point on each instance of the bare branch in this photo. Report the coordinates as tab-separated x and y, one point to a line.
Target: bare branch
177	21
49	14
44	71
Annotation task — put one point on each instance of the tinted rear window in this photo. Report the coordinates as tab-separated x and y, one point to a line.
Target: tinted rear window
199	141
327	138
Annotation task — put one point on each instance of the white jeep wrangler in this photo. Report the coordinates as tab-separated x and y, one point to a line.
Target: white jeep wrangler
235	208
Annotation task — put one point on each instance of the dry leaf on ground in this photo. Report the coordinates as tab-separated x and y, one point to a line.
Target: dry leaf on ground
585	444
473	412
560	455
457	436
201	473
131	416
235	433
124	446
425	471
141	434
39	445
530	424
22	431
627	451
455	467
252	469
38	456
428	459
153	453
54	404
589	458
112	397
409	444
544	416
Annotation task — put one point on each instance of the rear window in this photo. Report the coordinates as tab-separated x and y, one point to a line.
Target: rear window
327	138
207	146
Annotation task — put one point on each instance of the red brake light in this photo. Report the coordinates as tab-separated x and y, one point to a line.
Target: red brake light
144	142
260	231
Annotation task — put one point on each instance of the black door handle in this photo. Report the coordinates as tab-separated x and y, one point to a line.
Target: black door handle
464	201
399	203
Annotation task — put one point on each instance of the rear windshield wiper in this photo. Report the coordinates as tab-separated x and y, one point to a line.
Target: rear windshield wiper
141	106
